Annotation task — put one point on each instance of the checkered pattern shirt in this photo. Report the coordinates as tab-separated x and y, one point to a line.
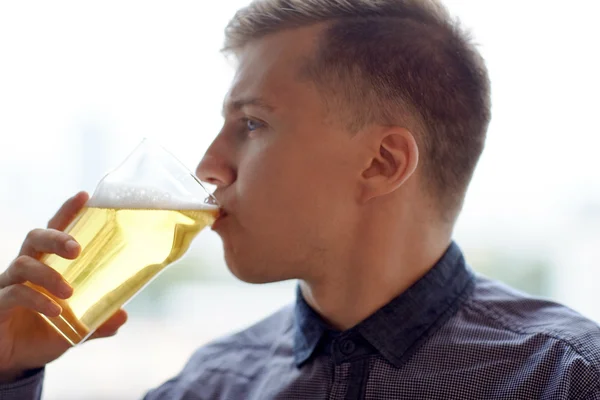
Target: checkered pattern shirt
452	335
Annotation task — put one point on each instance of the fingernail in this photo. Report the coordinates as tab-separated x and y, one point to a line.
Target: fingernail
71	246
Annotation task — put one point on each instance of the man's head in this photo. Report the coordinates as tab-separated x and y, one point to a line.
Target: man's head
341	110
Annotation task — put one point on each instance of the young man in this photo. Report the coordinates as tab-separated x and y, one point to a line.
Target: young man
352	129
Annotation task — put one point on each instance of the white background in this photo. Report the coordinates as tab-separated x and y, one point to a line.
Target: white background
82	82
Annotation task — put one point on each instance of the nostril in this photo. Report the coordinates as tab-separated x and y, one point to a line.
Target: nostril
216	170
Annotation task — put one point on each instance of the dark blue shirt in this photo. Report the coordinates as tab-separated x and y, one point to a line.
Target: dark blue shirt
452	335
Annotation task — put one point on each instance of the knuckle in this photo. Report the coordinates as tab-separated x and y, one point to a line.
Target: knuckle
12	291
56	234
58	240
16	270
21	261
33	235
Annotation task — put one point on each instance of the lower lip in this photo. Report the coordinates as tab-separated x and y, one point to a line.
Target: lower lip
218	222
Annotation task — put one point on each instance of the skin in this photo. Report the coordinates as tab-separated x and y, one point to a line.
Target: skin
28	342
345	213
303	198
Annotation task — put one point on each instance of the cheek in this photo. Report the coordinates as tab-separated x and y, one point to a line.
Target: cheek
272	185
290	193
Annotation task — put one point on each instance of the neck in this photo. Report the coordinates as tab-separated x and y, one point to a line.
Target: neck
379	265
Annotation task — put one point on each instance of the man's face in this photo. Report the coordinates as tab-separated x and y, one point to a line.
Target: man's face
286	171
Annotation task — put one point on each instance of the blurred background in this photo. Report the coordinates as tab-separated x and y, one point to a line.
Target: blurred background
82	82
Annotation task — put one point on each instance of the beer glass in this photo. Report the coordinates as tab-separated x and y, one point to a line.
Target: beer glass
141	218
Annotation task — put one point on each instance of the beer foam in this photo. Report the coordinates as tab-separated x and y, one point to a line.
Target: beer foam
114	195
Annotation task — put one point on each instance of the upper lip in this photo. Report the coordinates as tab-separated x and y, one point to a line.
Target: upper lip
222	210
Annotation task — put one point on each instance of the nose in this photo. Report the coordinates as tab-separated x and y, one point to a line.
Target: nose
217	166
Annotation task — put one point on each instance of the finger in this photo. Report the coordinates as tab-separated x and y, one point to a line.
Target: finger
27	269
24	296
68	211
111	326
51	241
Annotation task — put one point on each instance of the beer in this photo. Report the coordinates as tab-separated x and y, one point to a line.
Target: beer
126	241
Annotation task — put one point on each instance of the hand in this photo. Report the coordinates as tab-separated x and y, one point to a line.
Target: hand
26	340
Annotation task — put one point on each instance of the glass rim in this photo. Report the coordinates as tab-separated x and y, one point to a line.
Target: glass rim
211	199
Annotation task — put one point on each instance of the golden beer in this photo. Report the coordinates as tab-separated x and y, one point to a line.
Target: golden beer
123	249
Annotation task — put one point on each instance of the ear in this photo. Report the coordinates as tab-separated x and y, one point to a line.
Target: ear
394	159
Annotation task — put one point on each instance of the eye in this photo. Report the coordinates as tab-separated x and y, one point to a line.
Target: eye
252	124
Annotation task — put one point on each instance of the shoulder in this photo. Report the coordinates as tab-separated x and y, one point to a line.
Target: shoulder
238	350
226	368
520	313
241	353
501	343
532	337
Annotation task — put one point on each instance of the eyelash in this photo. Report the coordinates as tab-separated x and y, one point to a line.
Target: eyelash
246	121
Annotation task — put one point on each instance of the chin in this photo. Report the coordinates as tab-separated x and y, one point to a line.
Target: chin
255	273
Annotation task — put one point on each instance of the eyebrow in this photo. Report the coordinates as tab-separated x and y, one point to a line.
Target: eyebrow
238	104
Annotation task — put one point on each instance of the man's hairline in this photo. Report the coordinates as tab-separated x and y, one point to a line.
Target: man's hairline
304	74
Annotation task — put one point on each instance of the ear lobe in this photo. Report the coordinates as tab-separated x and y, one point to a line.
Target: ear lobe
395	161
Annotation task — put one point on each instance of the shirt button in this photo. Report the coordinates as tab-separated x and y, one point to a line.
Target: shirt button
347	347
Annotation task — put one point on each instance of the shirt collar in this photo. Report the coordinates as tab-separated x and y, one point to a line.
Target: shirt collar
309	327
396	329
